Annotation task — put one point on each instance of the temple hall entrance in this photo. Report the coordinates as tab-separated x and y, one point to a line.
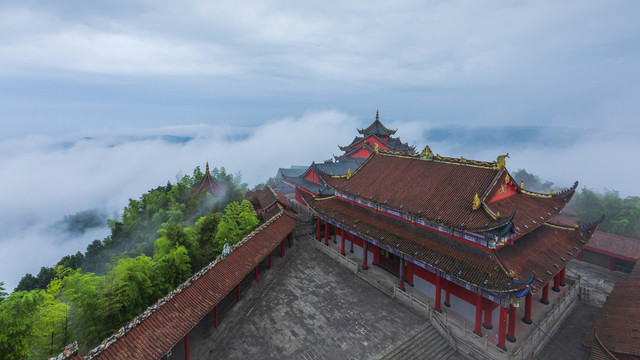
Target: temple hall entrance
390	262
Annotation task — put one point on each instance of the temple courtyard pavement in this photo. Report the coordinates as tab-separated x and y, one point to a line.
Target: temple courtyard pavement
309	306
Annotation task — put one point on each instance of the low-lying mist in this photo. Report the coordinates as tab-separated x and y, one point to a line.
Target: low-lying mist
47	179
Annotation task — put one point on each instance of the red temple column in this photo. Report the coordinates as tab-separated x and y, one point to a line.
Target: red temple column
511	334
612	264
270	260
488	316
478	328
255	273
186	347
556	283
580	256
562	274
282	249
352	239
238	294
342	241
410	273
527	309
402	274
545	294
318	229
447	294
364	246
290	240
438	292
502	328
215	316
326	233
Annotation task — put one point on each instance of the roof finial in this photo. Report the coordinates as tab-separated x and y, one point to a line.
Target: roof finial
501	162
207	169
349	174
377	115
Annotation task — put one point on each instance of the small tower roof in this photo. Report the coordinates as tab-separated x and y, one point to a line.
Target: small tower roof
208	184
376	128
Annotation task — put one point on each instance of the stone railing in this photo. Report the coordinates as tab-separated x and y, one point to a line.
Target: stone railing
470	345
342	259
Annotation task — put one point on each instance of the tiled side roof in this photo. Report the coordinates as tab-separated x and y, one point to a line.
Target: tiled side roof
174	317
615	244
461	260
543	252
340	167
208	184
531	209
308	185
436	191
618	324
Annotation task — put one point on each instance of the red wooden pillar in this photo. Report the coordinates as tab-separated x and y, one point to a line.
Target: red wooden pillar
270	260
215	316
438	292
562	274
502	328
488	316
326	233
402	274
410	273
527	309
511	335
447	294
290	240
545	294
556	283
342	241
255	273
580	256
478	328
318	229
186	347
238	294
612	264
364	246
282	249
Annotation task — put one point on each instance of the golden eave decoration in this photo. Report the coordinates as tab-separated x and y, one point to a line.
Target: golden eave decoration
476	202
501	161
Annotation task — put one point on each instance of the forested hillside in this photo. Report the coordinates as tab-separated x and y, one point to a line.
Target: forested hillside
161	239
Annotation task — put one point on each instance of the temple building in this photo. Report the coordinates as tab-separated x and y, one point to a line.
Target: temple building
208	184
462	231
374	138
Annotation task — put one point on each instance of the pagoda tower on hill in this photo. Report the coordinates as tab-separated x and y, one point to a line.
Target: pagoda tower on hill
375	136
208	184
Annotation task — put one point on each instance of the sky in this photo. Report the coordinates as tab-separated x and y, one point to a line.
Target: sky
90	92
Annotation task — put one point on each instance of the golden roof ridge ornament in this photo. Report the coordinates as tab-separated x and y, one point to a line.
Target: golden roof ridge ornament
349	174
377	115
207	169
426	153
376	148
476	202
507	178
501	162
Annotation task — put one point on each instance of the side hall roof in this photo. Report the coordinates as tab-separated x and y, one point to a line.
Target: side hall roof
617	326
442	190
153	333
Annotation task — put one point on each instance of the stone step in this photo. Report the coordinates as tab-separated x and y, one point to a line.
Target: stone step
424	343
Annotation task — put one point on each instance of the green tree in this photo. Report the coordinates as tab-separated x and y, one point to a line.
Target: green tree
51	331
18	316
237	221
532	182
172	268
3	294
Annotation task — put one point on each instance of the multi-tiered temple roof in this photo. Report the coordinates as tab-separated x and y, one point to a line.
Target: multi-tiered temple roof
375	136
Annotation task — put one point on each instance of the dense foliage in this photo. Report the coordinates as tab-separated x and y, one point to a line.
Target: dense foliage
622	216
161	240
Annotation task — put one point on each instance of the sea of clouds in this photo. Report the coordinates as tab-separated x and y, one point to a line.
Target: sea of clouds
46	178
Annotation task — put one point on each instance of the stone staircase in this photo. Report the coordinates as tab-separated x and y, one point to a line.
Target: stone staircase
424	343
